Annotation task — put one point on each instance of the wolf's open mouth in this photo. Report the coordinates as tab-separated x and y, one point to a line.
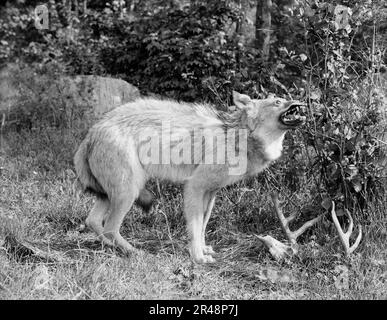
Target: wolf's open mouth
294	115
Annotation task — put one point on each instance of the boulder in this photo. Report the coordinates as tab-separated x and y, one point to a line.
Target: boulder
94	95
103	94
9	92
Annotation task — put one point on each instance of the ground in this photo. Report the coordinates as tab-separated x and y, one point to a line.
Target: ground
41	204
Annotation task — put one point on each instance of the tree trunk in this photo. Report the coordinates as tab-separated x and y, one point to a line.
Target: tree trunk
76	8
263	27
128	4
84	6
243	7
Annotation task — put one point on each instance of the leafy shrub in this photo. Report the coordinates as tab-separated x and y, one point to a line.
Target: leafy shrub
346	116
180	53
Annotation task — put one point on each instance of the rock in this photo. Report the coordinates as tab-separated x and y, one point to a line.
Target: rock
103	94
87	97
9	92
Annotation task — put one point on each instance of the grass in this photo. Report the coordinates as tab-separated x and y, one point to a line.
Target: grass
40	203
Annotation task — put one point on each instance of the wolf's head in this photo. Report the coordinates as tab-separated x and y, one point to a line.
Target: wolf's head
269	117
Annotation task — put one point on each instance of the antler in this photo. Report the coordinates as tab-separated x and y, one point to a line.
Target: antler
291	235
344	236
278	249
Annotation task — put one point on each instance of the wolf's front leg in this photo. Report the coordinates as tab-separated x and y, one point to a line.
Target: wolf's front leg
209	201
193	209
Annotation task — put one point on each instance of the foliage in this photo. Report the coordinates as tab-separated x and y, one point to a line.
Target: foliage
347	110
180	53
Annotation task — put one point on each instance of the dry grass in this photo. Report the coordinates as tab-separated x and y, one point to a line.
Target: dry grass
39	202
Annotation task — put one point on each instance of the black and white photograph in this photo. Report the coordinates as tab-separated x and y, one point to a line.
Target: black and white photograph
192	150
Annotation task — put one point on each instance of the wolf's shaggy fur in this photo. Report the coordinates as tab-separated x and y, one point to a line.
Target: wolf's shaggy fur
109	161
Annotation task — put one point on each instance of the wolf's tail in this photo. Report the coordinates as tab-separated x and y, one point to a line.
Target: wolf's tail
84	173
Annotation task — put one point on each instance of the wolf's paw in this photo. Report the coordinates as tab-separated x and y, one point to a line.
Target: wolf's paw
94	226
209	259
105	241
207	250
116	241
205	259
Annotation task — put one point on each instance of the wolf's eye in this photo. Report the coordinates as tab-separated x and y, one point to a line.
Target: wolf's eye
278	102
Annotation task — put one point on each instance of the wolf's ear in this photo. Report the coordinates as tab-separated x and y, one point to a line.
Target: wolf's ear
242	101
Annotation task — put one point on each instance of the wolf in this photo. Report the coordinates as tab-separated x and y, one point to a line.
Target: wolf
113	160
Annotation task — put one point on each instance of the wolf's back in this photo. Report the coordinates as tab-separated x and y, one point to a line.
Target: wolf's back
111	148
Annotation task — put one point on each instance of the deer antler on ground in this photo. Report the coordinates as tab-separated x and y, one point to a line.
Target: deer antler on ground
278	249
344	236
291	235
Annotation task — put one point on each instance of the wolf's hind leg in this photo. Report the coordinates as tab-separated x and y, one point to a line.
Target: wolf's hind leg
208	201
120	206
96	216
193	209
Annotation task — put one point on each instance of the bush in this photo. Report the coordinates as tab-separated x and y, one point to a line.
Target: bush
181	53
342	142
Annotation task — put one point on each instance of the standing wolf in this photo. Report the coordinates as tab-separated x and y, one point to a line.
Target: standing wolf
114	159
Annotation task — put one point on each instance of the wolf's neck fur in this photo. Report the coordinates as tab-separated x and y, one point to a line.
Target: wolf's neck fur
261	152
231	121
261	148
273	146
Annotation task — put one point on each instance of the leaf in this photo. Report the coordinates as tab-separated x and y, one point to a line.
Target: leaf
356	184
309	12
332	169
340	213
330	66
326	203
352	171
342	15
303	57
315	94
348	133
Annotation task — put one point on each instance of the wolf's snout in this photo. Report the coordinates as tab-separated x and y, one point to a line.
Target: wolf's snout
294	115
